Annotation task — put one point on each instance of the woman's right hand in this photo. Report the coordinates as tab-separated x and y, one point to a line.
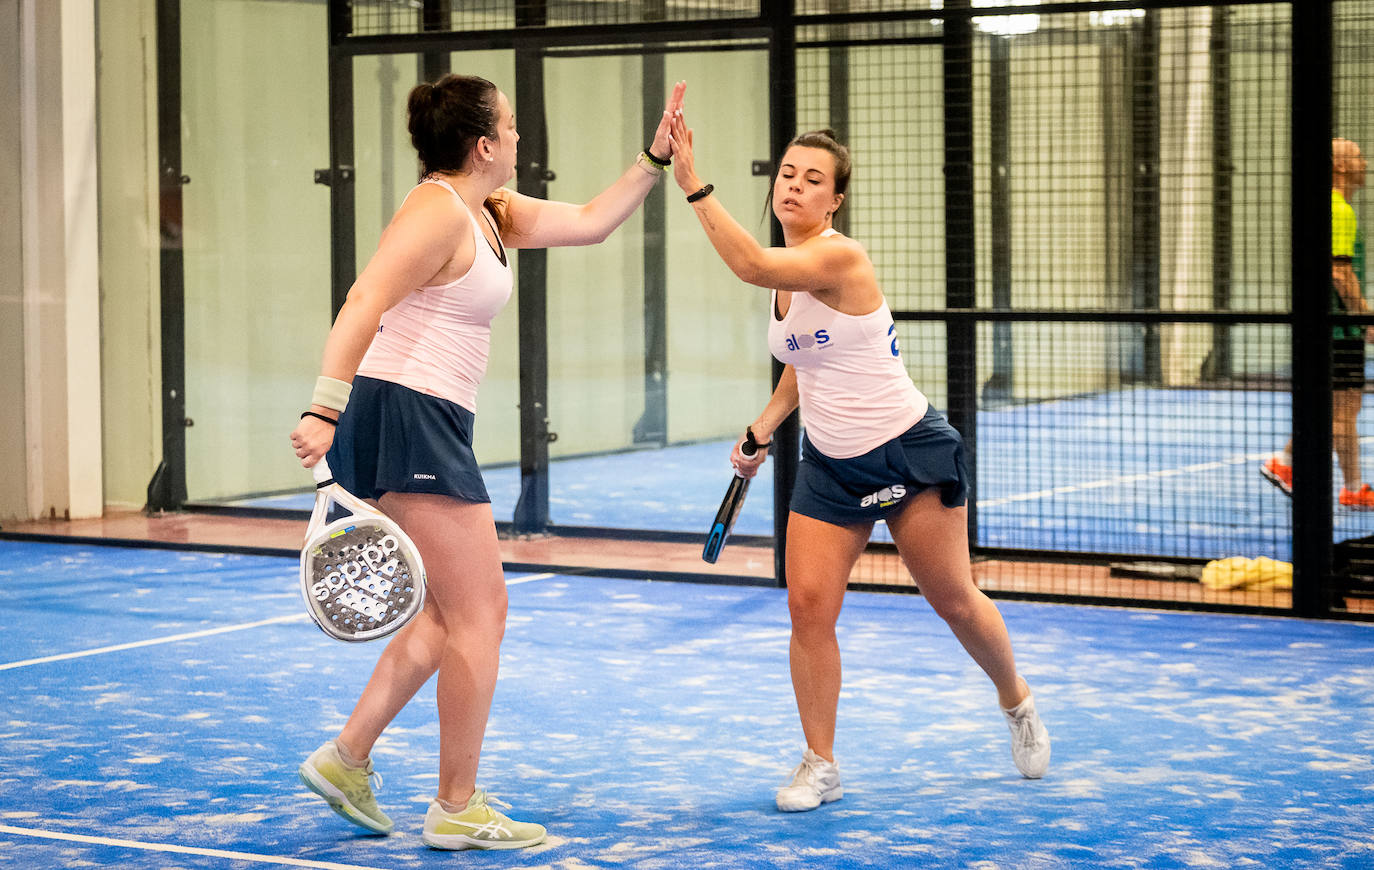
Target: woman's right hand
747	466
312	437
661	145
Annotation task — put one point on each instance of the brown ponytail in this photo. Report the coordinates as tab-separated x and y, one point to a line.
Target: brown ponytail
445	119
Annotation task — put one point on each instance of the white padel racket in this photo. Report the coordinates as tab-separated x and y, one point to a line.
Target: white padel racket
361	576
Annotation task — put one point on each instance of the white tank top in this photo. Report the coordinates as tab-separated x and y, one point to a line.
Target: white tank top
855	393
436	340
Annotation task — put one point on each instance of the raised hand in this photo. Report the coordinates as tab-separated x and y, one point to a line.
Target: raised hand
684	160
662	142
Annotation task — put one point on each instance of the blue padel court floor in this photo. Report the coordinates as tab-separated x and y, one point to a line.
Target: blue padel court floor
1146	472
156	704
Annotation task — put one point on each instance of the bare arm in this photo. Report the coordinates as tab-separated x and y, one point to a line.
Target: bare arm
782	403
538	223
416	245
1348	288
841	261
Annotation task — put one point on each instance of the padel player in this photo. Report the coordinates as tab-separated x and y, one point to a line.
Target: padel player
873	449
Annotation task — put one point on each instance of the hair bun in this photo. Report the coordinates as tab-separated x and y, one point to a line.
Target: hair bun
421	98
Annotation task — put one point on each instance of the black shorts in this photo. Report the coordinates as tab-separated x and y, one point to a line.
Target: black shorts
1347	364
394	439
878	483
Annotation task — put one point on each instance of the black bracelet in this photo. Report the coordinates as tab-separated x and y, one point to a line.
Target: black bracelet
701	194
749	434
330	420
660	162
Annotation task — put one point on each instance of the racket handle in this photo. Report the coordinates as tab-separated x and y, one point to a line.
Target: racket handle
323	477
750	446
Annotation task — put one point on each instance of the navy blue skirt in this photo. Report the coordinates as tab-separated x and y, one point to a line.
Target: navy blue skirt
394	439
870	487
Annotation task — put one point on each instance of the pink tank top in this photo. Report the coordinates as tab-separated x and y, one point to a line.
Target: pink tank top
855	392
436	340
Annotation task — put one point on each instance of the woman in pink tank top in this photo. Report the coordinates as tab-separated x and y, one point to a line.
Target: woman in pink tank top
872	451
437	278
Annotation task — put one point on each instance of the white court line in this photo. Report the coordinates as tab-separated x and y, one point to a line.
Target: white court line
1127	478
183	850
529	579
153	641
195	634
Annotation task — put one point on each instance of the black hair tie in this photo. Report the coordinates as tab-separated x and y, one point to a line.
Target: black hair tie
661	162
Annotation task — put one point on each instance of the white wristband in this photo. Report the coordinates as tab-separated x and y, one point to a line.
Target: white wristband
331	393
643	162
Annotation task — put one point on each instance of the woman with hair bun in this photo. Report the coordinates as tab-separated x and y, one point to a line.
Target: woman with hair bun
394	408
873	449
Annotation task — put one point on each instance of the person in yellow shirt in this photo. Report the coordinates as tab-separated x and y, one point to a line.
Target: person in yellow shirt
1348	341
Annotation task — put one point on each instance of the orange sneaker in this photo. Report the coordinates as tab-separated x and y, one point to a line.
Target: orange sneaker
1280	475
1363	500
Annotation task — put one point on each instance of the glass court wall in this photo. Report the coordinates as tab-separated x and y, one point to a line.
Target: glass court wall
1081	218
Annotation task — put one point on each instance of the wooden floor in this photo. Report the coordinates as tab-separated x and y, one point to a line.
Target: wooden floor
636	558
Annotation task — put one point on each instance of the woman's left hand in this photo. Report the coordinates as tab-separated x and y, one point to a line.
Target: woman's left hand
662	146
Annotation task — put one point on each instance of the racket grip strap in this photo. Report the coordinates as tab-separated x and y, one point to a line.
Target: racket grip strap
751	444
323	476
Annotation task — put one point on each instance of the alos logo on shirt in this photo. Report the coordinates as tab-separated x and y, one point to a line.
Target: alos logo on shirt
891	330
805	342
885	497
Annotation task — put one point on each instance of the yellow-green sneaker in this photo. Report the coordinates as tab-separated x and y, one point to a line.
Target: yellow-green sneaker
478	827
346	788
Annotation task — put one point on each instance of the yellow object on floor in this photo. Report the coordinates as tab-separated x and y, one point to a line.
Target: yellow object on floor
1238	572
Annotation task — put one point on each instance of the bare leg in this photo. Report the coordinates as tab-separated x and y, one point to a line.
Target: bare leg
819	558
1345	412
933	541
458	634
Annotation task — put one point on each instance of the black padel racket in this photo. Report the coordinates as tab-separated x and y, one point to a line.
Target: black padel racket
729	506
361	576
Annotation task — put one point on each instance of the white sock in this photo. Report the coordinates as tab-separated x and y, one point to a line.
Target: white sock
347	757
1020	709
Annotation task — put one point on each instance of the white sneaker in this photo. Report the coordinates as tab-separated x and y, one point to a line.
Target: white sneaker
1030	740
478	826
347	789
814	782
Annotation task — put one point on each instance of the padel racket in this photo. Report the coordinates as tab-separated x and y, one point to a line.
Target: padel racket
361	576
729	506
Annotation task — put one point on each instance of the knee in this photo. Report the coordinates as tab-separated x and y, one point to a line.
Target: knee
474	615
959	608
811	611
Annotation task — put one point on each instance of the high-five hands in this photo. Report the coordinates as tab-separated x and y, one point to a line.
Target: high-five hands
684	161
662	144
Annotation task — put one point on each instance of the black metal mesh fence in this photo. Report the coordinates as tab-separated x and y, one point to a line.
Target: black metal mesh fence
1110	323
394	17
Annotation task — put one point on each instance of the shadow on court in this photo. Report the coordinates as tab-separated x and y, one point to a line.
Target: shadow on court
156	705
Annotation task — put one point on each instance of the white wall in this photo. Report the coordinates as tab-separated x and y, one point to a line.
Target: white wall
130	310
13	467
52	357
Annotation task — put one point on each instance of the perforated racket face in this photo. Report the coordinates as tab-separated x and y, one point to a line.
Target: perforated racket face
360	580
